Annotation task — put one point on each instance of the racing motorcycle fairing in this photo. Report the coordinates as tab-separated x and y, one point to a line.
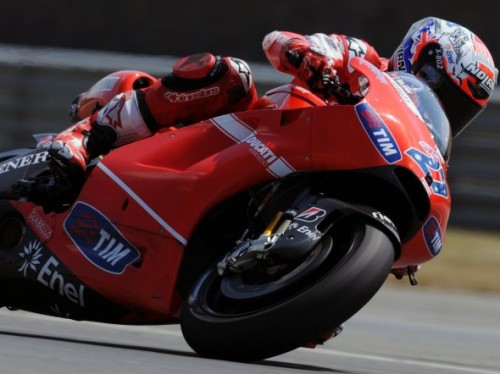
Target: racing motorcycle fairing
125	236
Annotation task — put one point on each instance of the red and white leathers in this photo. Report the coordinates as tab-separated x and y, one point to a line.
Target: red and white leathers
319	54
199	87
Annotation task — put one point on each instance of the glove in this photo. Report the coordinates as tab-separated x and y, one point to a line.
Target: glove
75	147
309	64
69	155
68	151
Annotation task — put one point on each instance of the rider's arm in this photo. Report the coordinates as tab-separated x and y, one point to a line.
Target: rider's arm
339	49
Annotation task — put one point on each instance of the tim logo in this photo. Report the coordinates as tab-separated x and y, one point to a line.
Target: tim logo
378	132
433	235
311	215
99	240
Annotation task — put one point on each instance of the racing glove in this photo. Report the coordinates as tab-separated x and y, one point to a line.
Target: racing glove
72	149
308	63
68	149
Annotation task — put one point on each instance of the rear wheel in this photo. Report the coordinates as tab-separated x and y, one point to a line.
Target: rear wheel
264	312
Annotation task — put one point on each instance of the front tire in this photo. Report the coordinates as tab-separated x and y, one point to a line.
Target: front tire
358	259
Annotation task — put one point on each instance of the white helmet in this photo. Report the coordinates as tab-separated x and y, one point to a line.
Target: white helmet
454	62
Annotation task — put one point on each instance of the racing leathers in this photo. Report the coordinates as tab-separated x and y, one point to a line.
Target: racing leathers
203	86
309	58
199	87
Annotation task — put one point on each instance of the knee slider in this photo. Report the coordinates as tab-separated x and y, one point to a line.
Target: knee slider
197	66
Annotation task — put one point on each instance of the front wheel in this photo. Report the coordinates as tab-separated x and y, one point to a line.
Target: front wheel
339	276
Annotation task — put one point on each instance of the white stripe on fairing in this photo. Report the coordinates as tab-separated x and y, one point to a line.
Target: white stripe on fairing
142	203
280	168
239	132
233	127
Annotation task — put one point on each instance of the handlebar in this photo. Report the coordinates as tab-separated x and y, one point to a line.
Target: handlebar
332	87
325	84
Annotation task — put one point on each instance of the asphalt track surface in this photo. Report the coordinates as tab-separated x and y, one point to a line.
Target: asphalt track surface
409	330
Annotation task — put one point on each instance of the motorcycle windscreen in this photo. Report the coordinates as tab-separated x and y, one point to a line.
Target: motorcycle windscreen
428	107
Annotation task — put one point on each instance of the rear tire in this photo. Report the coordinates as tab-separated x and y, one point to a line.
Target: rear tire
356	265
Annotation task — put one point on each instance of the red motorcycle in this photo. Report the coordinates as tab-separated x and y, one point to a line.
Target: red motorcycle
259	232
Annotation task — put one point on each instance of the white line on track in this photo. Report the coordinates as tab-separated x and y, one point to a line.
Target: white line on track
403	361
367	357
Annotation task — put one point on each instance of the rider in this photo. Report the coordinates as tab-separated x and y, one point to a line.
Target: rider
451	59
200	86
454	61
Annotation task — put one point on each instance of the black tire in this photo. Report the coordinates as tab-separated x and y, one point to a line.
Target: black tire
358	259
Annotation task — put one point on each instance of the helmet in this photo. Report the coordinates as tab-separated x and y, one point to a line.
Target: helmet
454	62
85	104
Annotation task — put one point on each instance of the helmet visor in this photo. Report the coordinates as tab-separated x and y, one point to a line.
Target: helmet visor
460	109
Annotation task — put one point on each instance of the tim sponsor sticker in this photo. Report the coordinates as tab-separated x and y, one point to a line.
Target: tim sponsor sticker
99	240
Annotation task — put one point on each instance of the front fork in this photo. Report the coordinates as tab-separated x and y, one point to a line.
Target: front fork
247	252
292	234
